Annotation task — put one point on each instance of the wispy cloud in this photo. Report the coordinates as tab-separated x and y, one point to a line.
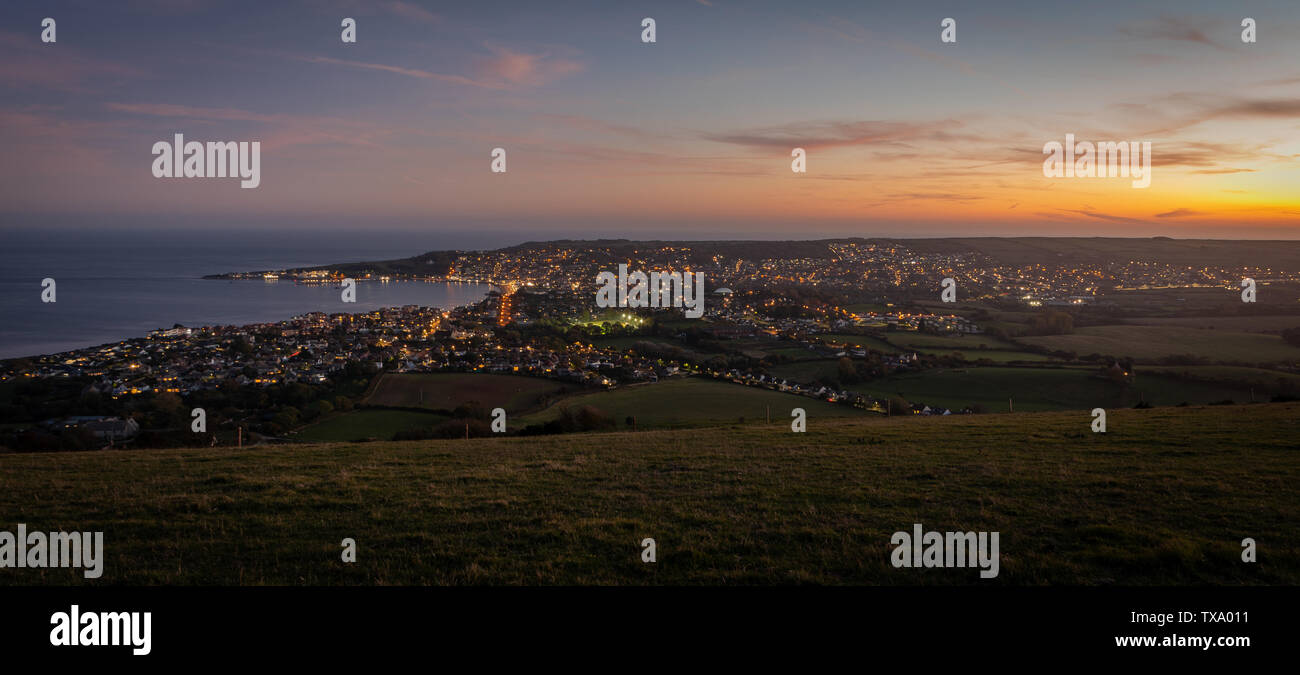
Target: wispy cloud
821	135
407	10
1222	171
278	130
1179	213
191	112
1177	29
1102	216
512	67
592	125
398	70
398	8
26	62
504	69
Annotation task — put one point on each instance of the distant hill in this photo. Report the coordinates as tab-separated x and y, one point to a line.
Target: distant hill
1195	252
1279	254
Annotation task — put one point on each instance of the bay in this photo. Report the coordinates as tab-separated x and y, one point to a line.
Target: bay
115	285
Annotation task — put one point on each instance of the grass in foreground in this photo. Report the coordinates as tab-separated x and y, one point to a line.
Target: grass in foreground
1165	498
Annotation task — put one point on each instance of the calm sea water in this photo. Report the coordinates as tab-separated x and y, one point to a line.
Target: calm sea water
117	285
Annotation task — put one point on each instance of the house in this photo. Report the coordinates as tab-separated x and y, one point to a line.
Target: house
112	428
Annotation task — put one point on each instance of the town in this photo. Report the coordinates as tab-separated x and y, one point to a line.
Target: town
836	321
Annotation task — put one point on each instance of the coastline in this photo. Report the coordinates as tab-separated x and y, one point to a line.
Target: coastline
248	278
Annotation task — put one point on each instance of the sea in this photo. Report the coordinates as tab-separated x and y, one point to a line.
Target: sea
115	285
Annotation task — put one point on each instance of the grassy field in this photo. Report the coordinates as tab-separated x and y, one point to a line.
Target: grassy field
762	348
948	343
1273	298
1265	382
1242	324
1164	498
969	346
365	424
446	391
807	371
1149	342
695	401
925	343
628	342
1035	389
862	341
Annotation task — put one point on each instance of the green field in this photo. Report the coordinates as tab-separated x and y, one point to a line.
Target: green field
971	347
860	341
994	355
446	391
1242	324
765	347
368	424
1034	389
628	342
1152	342
1265	382
1164	498
807	371
795	353
994	349
695	401
948	343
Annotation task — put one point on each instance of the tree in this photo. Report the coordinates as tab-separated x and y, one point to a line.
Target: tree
319	409
243	346
848	374
1053	323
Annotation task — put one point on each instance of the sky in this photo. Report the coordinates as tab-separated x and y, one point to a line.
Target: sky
607	136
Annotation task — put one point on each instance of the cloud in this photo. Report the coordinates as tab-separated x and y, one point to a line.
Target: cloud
1257	108
280	130
590	124
1279	82
1087	211
409	72
26	62
1172	28
1179	213
171	110
168	7
398	8
1221	171
1191	109
504	69
511	67
822	135
407	10
1209	155
934	196
846	29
